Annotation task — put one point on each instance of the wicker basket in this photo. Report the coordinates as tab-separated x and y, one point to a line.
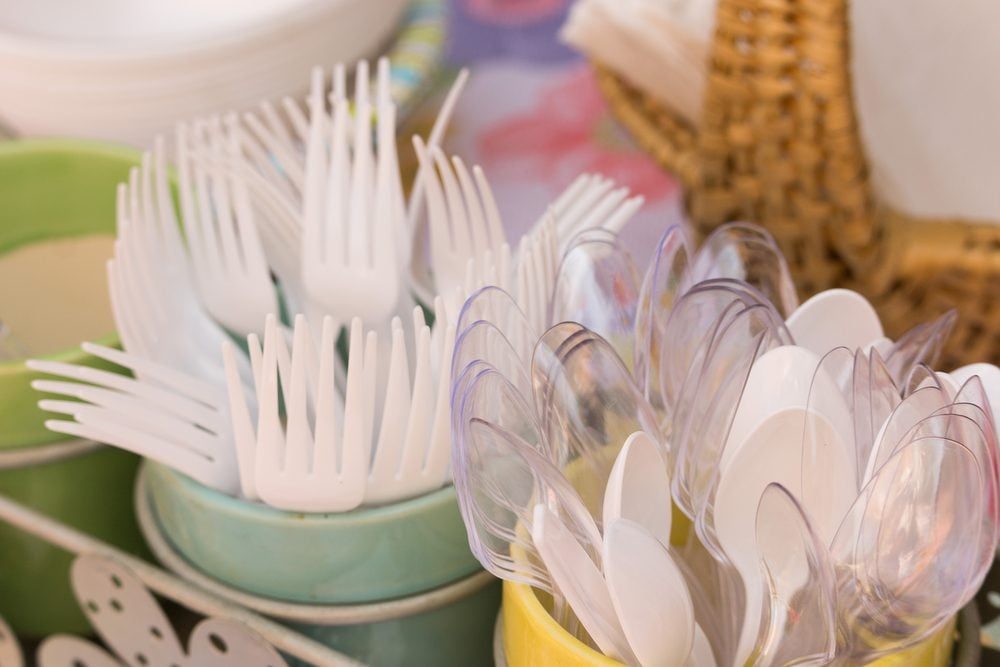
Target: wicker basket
778	144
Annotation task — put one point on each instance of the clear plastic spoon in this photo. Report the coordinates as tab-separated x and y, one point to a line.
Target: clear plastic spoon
798	618
662	284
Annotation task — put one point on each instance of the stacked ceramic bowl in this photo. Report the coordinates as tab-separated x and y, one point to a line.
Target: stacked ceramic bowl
124	70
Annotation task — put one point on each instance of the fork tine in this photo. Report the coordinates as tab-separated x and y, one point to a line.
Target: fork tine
122	221
270	437
362	85
360	235
326	438
479	240
249	131
122	282
282	222
298	435
158	449
617	221
103	407
151	227
340	83
383	83
371	375
256	360
193	231
392	189
601	210
395	411
296	118
494	223
221	199
438	457
166	214
338	203
569	195
274	122
131	341
437	134
437	332
244	437
250	246
504	264
291	163
576	209
355	444
174	403
197	389
314	202
139	231
421	408
456	208
284	361
385	248
437	215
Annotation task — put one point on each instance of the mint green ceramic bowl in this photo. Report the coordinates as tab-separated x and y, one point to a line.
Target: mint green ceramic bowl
372	554
56	189
367	555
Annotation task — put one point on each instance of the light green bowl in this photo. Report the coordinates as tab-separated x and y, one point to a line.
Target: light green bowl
447	626
368	555
56	189
457	635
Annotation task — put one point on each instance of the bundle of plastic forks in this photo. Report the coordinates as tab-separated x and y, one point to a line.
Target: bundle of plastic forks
288	223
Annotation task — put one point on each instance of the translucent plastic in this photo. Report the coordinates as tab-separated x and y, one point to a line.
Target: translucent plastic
597	285
798	622
903	552
664	281
589	404
494	305
748	253
500	474
705	415
920	345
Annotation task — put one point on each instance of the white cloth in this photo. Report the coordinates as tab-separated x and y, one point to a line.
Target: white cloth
927	89
659	46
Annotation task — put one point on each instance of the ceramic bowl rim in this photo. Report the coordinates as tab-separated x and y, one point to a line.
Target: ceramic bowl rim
258	512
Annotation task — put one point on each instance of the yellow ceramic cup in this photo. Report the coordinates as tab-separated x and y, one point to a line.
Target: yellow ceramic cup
532	638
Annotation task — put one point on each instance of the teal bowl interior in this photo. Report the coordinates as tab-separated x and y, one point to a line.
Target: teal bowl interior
56	189
367	555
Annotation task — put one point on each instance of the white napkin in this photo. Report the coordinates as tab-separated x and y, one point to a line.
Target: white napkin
659	46
926	78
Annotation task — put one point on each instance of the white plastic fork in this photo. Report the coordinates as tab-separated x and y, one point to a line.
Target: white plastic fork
350	263
163	414
413	450
490	269
276	153
232	275
277	212
313	465
537	263
153	299
591	201
462	213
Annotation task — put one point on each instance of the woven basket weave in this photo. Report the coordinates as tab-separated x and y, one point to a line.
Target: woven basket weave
778	144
